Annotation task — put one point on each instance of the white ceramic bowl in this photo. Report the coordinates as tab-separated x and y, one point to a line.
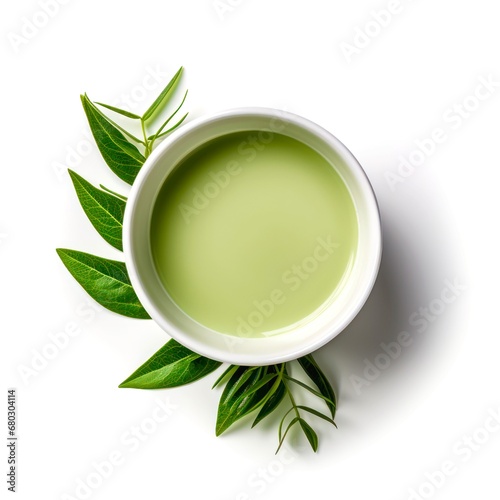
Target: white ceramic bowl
308	336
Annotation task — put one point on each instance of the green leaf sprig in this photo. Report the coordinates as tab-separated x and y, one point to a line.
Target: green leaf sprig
105	280
258	390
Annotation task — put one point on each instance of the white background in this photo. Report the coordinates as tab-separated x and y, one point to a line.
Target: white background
440	224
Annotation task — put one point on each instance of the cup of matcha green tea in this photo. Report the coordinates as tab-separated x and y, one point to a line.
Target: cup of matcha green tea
252	236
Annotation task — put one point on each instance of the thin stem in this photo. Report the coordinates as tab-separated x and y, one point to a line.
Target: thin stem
133	137
114	193
146	142
290	396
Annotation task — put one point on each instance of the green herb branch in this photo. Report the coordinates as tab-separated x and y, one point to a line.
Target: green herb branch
247	390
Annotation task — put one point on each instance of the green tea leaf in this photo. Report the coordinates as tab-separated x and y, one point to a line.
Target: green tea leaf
122	157
114	124
105	211
261	383
167	121
120	111
163	98
173	365
280	428
290	425
235	383
310	389
227	373
314	372
311	436
235	403
317	414
272	402
169	130
114	193
106	281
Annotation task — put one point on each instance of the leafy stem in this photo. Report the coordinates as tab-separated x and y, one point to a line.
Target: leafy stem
310	434
264	388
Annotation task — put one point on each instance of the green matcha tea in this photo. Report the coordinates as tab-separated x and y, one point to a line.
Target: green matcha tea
252	233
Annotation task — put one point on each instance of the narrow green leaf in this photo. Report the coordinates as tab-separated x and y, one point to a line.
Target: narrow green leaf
120	128
317	413
163	98
280	428
241	373
235	403
173	365
309	365
169	130
282	438
122	157
118	195
261	383
310	389
106	281
112	129
105	211
272	403
224	412
167	121
311	436
236	384
120	111
227	373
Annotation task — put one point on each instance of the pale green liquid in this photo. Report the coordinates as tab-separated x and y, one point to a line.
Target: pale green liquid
249	239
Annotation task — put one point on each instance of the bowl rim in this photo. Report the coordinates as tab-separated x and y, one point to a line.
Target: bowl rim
229	355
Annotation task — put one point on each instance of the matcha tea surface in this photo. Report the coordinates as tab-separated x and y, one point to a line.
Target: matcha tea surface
252	233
